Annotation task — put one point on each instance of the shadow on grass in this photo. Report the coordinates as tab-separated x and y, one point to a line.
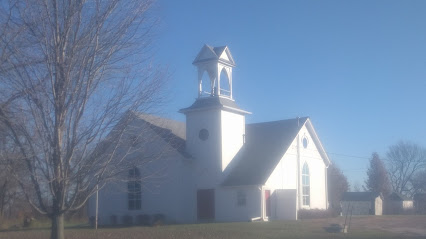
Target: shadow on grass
83	226
17	228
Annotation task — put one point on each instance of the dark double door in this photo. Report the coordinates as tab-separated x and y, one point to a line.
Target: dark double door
205	204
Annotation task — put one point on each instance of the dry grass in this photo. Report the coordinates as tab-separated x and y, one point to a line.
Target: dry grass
362	227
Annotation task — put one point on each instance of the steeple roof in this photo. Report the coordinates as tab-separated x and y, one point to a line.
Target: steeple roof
209	53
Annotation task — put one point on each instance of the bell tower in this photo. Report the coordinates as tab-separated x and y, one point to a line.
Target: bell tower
215	62
215	125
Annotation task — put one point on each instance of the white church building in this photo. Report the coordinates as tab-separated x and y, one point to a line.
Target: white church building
215	167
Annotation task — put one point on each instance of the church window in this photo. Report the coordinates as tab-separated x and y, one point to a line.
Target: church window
203	134
306	191
134	189
305	142
241	198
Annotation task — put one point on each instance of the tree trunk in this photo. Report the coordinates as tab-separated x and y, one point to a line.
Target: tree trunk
3	197
57	231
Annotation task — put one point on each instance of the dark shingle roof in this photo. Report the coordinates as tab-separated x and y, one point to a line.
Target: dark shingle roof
265	145
359	196
171	131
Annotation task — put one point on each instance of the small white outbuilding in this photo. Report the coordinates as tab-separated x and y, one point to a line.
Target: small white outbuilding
362	203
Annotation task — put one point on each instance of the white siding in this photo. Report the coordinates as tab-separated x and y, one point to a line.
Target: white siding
312	157
284	204
206	154
173	196
169	190
233	129
285	173
227	208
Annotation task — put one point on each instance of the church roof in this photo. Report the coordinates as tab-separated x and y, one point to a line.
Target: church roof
210	102
359	196
171	131
265	144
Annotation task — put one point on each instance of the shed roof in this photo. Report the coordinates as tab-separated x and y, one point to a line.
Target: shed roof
359	196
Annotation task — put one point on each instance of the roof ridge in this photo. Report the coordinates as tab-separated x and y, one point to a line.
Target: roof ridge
277	121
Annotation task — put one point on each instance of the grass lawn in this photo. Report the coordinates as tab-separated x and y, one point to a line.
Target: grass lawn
275	229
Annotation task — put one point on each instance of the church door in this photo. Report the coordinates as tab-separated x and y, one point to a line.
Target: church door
205	204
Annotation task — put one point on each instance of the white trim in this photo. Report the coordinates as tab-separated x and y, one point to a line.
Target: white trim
299	203
303	185
326	188
317	142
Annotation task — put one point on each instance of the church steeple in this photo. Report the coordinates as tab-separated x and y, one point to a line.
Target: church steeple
215	125
217	62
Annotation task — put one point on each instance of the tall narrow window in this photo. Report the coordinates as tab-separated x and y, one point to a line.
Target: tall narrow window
134	189
306	189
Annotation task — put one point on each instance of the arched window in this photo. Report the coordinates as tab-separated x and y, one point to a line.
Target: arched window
306	188
134	189
206	85
225	89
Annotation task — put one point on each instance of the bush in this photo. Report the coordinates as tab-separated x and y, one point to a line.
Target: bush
127	220
143	220
28	221
335	212
158	219
314	214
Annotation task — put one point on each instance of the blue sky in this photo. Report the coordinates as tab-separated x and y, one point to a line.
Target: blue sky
357	68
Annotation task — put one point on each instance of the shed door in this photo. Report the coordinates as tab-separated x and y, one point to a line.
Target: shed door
205	204
268	203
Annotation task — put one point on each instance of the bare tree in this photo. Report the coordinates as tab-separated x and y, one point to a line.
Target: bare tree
404	160
70	70
356	187
337	185
419	182
377	177
8	187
